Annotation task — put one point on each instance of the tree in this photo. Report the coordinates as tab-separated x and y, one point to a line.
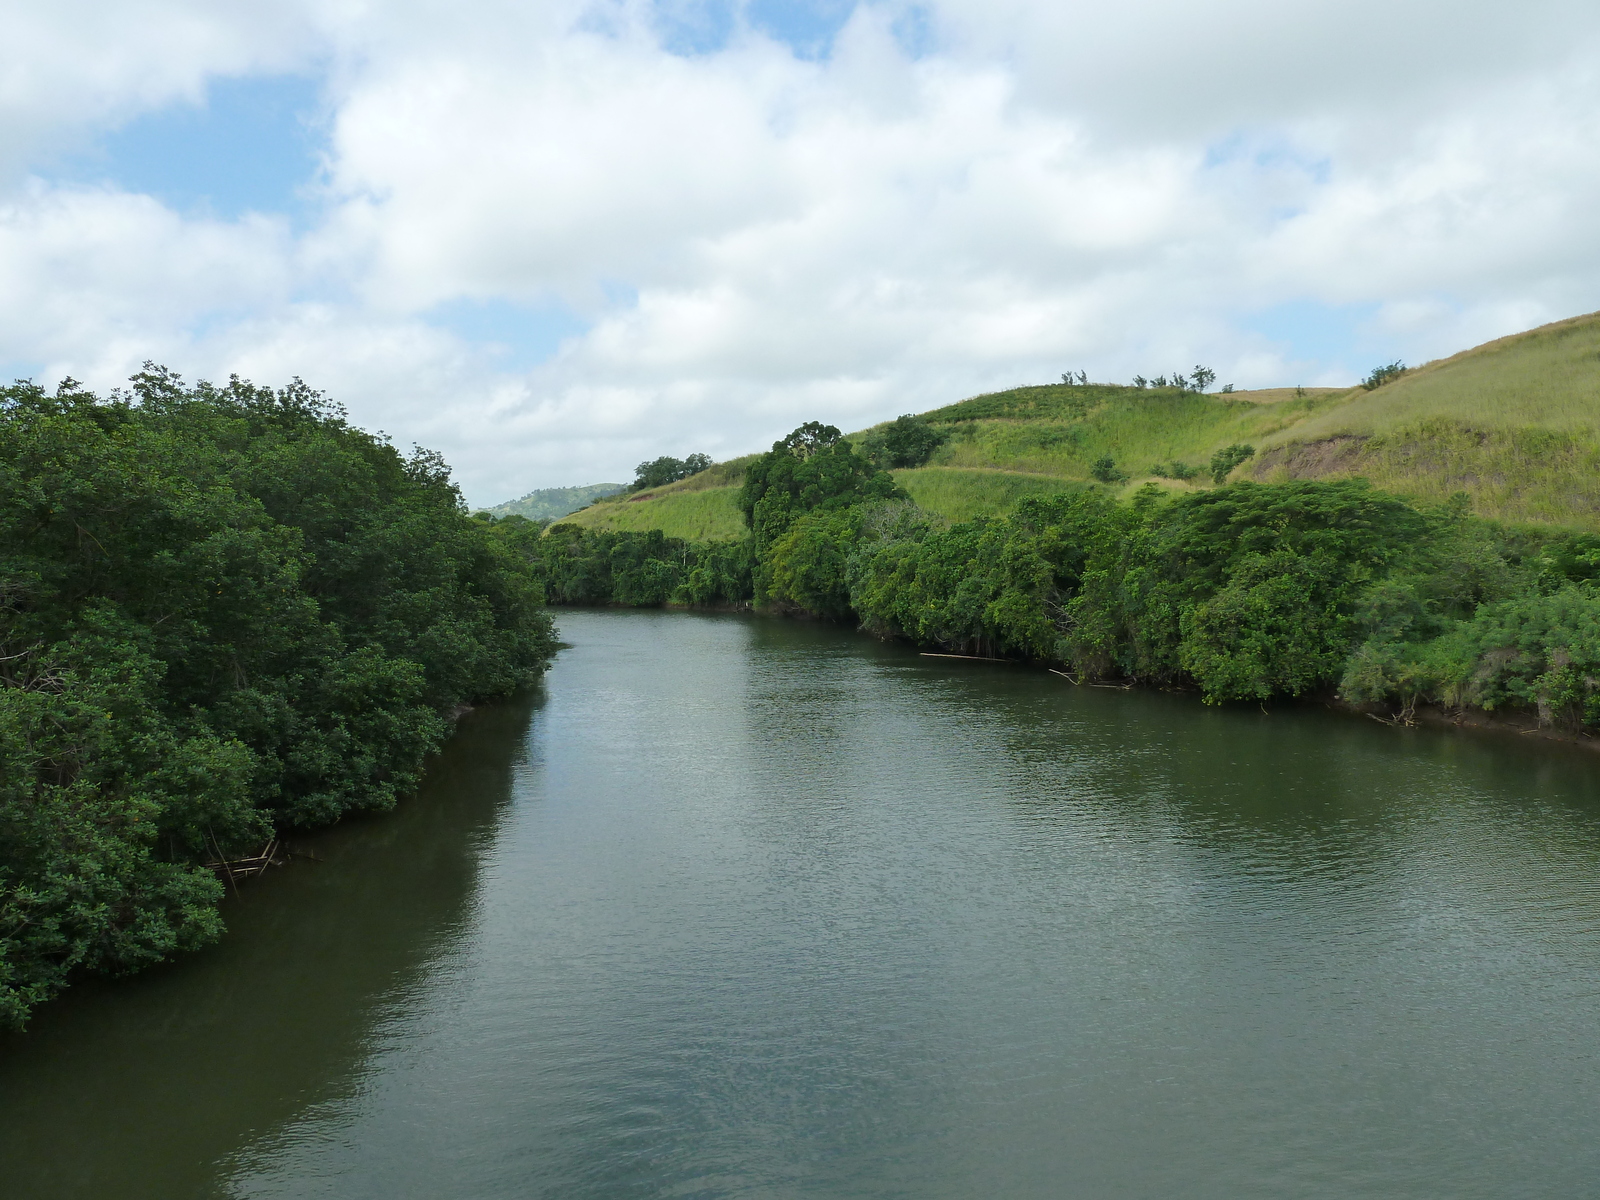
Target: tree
907	441
1202	378
1105	470
664	470
1276	628
1383	375
812	468
809	438
224	610
1224	461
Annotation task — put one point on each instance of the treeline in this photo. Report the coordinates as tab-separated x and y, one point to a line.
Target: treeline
659	472
223	611
1244	592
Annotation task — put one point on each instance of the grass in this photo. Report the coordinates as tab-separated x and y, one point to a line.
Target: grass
960	495
554	503
1514	423
1516	474
1548	377
697	514
1137	428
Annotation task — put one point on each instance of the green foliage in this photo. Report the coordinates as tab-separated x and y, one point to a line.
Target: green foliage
1277	627
1383	375
807	566
1538	651
1226	459
551	504
1176	469
1249	591
906	441
638	570
1105	470
220	609
987	586
813	468
665	470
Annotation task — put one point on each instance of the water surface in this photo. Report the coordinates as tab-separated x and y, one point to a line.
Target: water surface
750	908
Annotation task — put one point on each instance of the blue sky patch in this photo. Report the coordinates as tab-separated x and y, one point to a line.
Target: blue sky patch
1267	152
693	27
253	146
913	29
525	334
807	27
14	369
1331	336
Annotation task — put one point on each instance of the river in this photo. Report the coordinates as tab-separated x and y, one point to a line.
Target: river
738	907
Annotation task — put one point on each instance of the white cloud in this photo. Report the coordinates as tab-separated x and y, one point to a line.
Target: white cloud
73	67
94	279
752	239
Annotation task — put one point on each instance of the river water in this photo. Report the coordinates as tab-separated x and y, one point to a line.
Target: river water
738	907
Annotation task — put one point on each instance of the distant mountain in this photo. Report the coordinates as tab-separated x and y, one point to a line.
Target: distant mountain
549	504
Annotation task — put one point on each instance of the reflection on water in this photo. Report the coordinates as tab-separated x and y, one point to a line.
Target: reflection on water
761	909
148	1086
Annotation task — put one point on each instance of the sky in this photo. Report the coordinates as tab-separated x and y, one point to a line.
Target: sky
554	239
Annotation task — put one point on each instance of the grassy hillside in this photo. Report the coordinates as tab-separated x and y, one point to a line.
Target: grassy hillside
1063	436
1514	423
702	507
960	494
547	504
704	514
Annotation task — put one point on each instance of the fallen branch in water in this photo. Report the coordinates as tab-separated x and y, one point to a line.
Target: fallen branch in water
243	868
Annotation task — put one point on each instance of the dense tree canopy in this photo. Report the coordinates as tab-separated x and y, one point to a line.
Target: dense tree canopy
907	441
664	470
221	610
1247	591
813	468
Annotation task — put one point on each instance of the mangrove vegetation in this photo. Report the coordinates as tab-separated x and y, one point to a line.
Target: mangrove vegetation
1245	592
224	611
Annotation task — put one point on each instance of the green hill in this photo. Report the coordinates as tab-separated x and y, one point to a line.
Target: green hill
1514	423
549	504
702	508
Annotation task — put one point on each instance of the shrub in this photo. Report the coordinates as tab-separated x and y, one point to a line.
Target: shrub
1176	469
1224	461
1105	470
1383	375
906	441
664	470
